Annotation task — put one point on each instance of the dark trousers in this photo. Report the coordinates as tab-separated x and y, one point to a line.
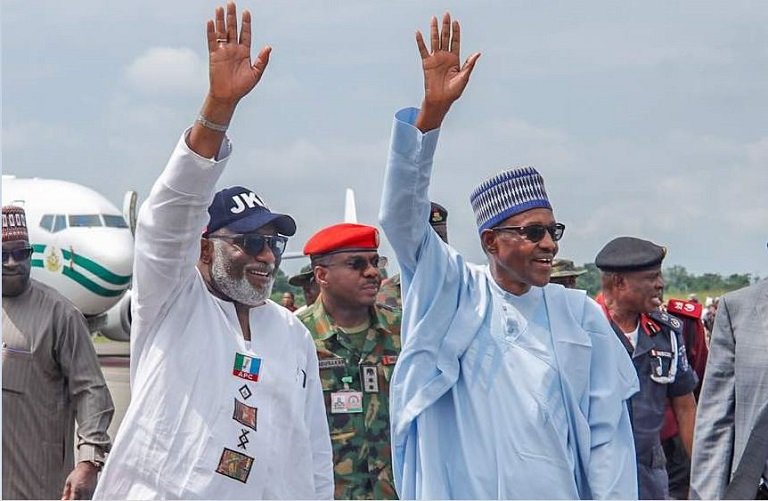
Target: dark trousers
678	467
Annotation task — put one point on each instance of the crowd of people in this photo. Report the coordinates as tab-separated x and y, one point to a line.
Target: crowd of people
450	380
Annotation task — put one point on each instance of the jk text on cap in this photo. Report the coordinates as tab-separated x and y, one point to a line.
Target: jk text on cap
240	210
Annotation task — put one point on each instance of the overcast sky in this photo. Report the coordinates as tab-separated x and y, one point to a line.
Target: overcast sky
645	118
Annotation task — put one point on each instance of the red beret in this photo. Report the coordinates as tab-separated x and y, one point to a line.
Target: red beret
346	237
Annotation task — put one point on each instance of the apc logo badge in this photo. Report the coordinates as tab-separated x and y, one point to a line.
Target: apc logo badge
246	201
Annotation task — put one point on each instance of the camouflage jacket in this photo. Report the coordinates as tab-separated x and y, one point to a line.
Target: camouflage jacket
361	446
389	293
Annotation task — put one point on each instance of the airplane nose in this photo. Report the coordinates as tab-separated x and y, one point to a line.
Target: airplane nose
114	253
102	266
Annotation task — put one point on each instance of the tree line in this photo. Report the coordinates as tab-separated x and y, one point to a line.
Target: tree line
677	281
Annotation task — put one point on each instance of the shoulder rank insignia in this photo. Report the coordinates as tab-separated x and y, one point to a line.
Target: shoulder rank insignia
666	319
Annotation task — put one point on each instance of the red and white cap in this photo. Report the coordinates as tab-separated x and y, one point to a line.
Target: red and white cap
14	223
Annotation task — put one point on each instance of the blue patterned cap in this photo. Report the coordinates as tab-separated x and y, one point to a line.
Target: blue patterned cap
506	194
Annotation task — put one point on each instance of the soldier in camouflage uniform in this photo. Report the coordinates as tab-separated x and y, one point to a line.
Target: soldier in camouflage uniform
390	288
358	342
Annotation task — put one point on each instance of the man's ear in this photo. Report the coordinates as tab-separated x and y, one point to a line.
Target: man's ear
206	251
321	276
619	281
488	239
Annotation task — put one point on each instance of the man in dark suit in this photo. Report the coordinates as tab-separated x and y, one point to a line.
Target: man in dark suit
734	391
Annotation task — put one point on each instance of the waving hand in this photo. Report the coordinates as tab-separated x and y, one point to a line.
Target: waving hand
444	77
231	76
231	72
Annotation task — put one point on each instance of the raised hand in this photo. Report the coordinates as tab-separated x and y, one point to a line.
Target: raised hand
444	77
231	72
232	75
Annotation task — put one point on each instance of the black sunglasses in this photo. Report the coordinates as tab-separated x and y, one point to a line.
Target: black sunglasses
253	243
535	232
357	263
18	255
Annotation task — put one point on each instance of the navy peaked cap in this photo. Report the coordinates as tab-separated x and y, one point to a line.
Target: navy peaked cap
629	254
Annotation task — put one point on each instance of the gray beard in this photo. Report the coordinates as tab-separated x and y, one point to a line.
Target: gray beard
236	289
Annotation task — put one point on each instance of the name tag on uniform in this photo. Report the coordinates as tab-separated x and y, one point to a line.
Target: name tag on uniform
346	402
329	363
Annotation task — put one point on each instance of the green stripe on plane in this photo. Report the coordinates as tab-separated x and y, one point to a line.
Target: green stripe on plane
96	268
88	284
89	265
92	266
83	280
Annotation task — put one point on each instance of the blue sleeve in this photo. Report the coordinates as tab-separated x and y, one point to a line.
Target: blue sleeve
405	202
612	469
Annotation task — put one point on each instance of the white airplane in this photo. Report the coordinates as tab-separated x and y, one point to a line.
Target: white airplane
350	216
82	245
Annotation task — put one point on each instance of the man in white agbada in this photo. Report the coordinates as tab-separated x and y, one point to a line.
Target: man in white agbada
506	387
226	397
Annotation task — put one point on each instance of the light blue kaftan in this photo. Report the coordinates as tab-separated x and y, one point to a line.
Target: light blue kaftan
496	396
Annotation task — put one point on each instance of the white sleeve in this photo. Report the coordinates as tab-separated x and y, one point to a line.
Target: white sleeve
320	436
168	232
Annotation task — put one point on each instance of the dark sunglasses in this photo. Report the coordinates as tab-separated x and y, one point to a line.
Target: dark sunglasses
357	263
535	232
18	255
253	243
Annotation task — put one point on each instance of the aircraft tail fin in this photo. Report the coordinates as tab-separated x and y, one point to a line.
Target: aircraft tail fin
350	208
129	210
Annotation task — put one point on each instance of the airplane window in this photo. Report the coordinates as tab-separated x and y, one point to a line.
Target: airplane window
84	220
46	222
60	223
114	221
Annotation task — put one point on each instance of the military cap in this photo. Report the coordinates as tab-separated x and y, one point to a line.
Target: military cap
301	279
565	268
629	254
344	237
438	214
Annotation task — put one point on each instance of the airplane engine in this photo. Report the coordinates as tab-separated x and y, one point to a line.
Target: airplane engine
117	320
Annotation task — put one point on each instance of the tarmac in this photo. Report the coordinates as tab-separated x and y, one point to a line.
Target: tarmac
115	362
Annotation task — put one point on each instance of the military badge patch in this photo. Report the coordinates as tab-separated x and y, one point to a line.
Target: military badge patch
346	402
247	367
245	415
370	378
389	359
235	465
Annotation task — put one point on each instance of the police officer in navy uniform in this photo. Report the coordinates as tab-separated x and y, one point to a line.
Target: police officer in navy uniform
632	291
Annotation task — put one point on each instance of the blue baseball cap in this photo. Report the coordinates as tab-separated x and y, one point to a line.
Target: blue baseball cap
241	210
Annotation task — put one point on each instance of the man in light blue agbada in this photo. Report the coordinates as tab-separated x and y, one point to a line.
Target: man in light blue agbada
506	387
